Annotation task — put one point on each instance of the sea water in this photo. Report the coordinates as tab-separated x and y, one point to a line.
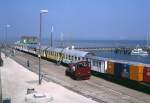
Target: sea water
112	43
105	43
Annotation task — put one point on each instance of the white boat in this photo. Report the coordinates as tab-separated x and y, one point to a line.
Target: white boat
139	51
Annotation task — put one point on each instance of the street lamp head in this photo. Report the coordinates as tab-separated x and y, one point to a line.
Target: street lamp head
43	11
7	25
52	29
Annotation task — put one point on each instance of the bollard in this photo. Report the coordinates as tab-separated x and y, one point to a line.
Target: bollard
41	77
28	64
12	53
1	61
30	90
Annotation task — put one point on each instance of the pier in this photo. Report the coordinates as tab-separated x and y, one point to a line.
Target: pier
97	49
117	50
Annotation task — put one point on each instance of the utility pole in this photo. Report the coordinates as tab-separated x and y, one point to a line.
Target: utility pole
52	29
6	27
148	39
61	39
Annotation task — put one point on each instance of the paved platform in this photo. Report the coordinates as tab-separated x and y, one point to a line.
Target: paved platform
16	79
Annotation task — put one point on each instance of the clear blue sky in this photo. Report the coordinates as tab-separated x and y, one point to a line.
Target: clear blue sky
77	19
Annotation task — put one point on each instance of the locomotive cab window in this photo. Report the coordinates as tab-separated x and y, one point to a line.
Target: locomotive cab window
82	65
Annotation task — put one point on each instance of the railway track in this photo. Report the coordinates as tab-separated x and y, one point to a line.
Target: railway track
95	88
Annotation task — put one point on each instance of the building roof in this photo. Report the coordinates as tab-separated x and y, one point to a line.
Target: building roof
76	53
71	52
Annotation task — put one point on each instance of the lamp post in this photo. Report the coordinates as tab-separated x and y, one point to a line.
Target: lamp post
52	36
41	13
6	27
61	39
148	38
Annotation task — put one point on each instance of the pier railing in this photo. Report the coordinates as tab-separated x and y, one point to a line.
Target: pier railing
121	50
97	48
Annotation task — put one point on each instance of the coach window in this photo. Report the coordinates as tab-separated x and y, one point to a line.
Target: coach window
65	56
55	53
99	64
69	57
89	60
94	63
86	59
75	58
78	58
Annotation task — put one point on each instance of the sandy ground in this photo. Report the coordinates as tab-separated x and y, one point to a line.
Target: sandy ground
16	79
